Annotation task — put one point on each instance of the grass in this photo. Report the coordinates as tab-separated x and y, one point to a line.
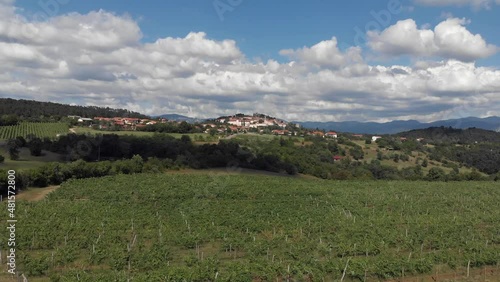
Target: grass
235	171
87	130
248	227
195	137
26	161
370	151
265	137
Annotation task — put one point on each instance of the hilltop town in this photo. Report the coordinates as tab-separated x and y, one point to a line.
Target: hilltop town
238	123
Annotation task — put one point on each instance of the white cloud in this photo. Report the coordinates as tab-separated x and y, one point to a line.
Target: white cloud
6	8
98	59
455	41
325	54
476	4
195	44
449	39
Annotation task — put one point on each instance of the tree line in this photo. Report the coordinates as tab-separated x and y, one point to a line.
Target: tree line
94	156
12	111
448	135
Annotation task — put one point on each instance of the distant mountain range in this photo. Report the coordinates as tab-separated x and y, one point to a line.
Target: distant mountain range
393	127
489	123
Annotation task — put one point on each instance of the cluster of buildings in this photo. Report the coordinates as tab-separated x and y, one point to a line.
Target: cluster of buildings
254	121
329	134
130	122
259	122
237	123
123	122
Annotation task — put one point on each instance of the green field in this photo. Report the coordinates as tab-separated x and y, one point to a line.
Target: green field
88	130
42	130
253	137
26	160
194	136
227	227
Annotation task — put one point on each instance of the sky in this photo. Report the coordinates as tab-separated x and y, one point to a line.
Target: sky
314	60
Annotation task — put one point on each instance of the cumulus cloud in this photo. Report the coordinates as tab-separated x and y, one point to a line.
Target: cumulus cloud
449	39
476	4
195	44
98	59
325	54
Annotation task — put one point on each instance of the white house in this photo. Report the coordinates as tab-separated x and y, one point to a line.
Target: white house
85	119
375	138
331	134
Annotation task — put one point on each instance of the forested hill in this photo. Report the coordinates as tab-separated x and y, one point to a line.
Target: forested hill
451	135
27	109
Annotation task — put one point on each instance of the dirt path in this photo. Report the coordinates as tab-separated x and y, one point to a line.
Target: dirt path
36	194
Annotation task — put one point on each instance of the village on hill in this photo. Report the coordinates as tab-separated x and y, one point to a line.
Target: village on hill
239	123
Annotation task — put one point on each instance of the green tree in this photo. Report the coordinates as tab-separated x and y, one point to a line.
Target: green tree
185	127
212	131
8	120
404	157
474	175
436	174
396	158
357	153
380	156
35	145
137	164
185	139
496	177
13	148
21	142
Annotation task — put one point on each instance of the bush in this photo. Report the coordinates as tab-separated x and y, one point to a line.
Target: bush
474	175
13	147
404	157
290	169
436	174
39	178
357	153
396	158
35	145
36	266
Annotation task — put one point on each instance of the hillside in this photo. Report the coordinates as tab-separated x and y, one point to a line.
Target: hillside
452	135
33	110
396	126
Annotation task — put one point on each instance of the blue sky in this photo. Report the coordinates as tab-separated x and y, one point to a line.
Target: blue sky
263	27
273	53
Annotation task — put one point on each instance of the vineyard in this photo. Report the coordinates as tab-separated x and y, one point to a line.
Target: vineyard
181	227
42	130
